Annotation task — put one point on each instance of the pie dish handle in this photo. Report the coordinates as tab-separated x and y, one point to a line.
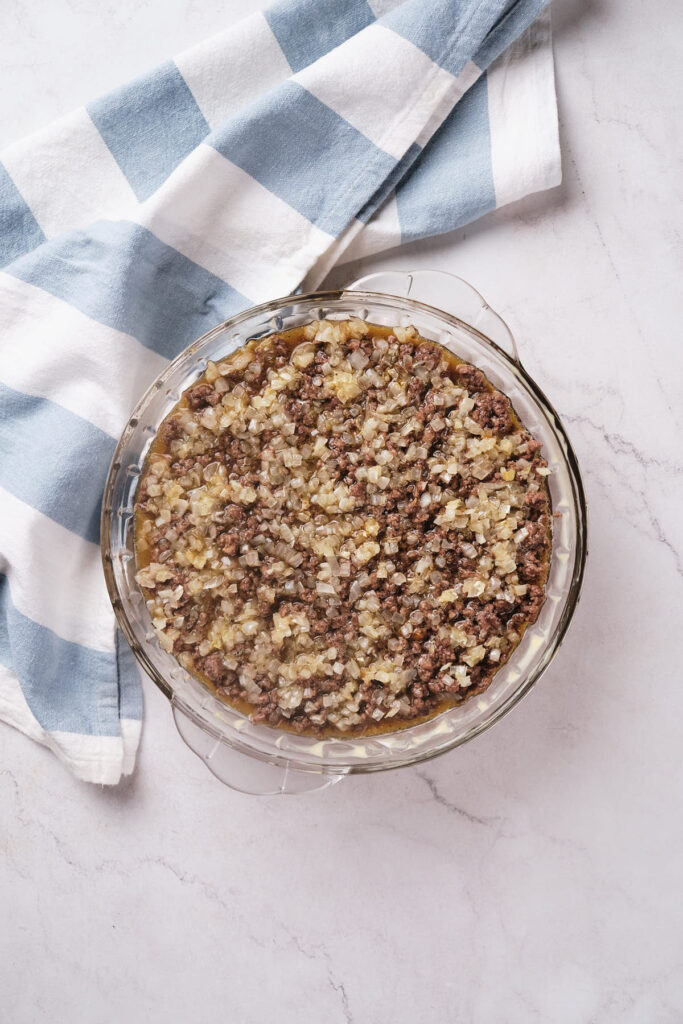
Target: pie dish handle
444	291
241	771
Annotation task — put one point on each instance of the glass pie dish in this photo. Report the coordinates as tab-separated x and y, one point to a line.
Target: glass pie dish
256	758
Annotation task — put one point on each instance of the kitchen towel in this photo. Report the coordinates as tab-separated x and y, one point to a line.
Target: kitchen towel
309	134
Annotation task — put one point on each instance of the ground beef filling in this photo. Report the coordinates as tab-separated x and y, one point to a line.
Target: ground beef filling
343	529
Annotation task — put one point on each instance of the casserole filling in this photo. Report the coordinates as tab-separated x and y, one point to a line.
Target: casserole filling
343	529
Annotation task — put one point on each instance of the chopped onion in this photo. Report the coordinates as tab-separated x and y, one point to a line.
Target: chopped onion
358	359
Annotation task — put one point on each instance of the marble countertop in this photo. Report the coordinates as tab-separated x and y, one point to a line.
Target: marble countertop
533	875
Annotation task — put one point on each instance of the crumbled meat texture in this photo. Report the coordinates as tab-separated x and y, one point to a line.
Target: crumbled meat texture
342	530
229	543
170	430
214	668
536	500
492	410
472	378
202	395
488	620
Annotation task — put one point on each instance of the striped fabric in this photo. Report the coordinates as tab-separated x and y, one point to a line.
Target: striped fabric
313	133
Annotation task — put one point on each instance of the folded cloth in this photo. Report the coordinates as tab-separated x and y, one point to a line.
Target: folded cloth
317	131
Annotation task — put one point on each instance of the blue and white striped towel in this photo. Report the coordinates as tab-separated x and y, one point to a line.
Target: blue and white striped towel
246	166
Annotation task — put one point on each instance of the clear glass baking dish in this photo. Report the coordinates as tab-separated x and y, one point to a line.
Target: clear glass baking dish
255	758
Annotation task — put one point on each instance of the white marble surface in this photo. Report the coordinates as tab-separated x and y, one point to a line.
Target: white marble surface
535	875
